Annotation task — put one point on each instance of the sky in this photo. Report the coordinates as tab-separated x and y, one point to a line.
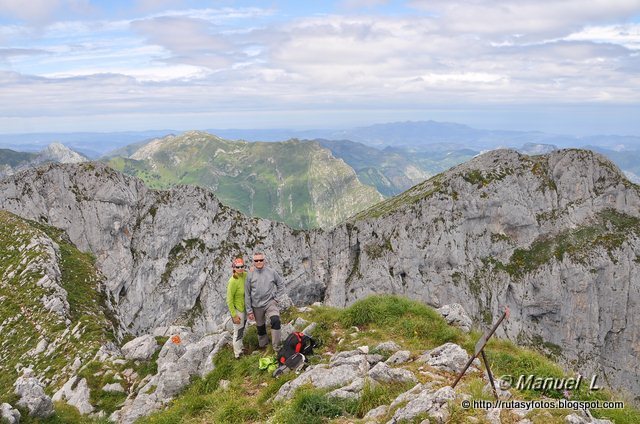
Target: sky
560	66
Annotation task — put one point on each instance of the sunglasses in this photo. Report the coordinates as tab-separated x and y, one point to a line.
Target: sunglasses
239	267
258	260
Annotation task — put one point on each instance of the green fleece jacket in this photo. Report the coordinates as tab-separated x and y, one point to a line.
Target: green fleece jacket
235	293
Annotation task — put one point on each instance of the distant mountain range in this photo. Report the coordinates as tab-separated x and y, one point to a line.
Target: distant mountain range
396	134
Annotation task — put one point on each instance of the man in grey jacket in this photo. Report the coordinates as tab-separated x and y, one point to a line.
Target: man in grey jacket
262	289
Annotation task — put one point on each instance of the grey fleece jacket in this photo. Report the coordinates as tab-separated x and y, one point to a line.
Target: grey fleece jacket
261	286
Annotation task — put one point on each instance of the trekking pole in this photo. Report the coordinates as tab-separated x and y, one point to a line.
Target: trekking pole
479	350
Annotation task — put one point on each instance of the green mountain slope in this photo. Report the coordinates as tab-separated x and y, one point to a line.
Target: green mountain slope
299	183
13	158
51	311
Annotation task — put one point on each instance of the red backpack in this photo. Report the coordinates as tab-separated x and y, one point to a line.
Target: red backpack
297	342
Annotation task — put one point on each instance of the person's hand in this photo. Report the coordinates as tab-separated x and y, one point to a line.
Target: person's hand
252	317
236	319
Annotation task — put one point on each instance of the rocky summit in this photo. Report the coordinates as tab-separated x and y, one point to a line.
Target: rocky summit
554	237
12	161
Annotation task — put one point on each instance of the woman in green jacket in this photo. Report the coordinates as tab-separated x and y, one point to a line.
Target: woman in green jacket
235	301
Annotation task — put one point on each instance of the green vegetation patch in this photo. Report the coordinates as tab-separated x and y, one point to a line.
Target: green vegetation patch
24	319
13	158
417	324
609	231
377	250
483	178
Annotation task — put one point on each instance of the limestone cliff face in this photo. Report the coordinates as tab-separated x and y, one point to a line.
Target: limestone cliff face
166	254
555	237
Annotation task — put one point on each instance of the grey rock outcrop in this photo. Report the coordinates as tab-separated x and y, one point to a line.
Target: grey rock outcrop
177	363
141	348
323	377
501	229
389	346
399	357
427	401
108	351
348	372
448	357
352	390
113	387
582	419
341	371
9	414
76	393
473	234
383	373
409	394
32	396
286	330
376	413
455	315
55	297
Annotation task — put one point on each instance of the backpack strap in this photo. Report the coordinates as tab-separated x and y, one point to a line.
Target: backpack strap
299	344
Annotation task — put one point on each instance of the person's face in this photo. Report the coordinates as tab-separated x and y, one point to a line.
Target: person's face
238	269
258	261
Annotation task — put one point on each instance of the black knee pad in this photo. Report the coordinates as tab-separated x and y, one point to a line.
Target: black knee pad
275	322
262	329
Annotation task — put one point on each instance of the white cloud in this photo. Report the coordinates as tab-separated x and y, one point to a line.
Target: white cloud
461	77
191	41
148	74
155	5
413	59
198	60
180	34
7	53
531	17
40	12
356	4
627	35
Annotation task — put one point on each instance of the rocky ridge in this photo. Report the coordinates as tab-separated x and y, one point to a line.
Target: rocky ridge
554	237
